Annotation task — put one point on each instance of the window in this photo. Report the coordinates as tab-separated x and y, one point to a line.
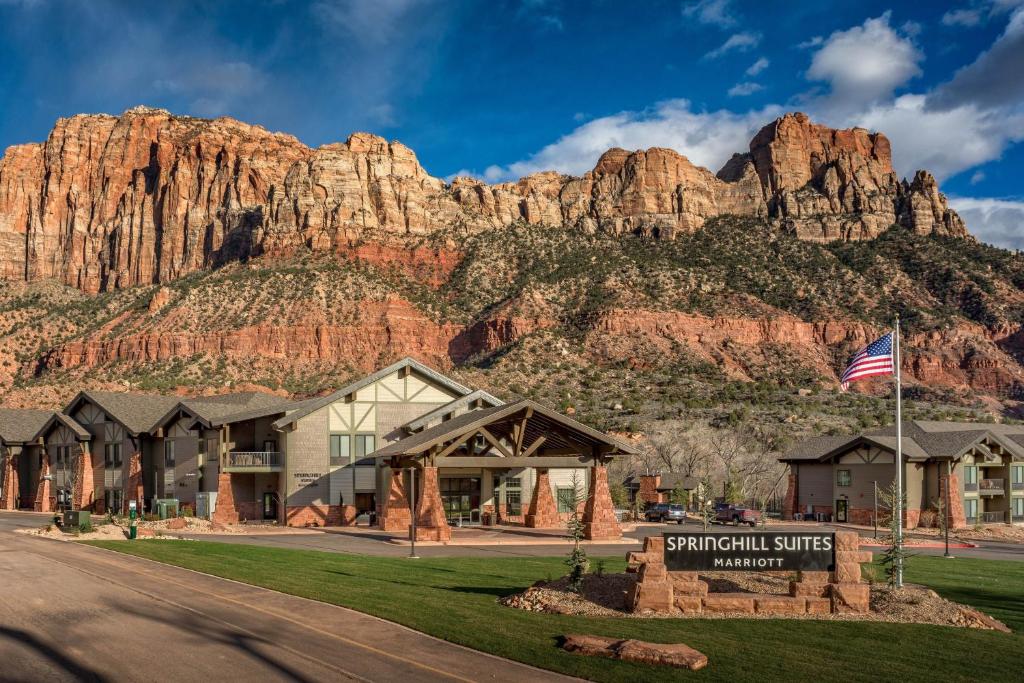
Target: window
1017	477
365	444
112	455
971	510
843	478
1018	509
970	474
341	449
113	500
169	454
513	496
566	498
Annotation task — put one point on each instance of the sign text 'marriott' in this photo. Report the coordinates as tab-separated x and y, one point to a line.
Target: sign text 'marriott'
764	550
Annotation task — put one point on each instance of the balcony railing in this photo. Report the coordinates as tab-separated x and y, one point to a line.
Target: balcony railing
993	517
1017	486
253	459
969	486
991	487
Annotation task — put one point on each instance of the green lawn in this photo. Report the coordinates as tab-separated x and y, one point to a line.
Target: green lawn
454	599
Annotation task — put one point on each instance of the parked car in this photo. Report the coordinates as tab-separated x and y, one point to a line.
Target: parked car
738	515
666	512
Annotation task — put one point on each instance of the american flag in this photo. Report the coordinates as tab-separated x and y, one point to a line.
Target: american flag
873	359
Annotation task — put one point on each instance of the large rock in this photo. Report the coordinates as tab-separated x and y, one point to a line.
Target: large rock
144	197
671	654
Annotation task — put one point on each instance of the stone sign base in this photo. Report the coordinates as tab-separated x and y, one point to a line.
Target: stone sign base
673	592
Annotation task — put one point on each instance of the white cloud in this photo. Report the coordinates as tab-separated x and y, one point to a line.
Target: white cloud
964	133
378	22
713	12
865	63
706	138
945	142
758	66
994	78
996	221
814	41
737	42
744	89
977	177
962	17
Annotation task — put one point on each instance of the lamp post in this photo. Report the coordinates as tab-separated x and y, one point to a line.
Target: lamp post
874	515
945	511
412	510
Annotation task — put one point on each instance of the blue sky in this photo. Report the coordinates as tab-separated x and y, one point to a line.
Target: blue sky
503	88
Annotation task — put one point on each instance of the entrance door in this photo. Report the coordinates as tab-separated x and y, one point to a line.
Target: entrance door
460	497
269	505
841	506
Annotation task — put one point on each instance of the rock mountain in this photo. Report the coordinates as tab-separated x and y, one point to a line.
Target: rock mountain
108	202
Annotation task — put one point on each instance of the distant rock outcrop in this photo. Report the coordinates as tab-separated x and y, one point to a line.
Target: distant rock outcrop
146	197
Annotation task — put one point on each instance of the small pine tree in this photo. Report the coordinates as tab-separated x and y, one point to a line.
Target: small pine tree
681	496
577	560
707	508
895	555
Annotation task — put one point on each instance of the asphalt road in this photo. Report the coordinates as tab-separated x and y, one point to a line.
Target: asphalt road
74	613
362	544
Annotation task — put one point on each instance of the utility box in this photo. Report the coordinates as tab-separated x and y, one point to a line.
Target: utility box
77	519
206	504
166	508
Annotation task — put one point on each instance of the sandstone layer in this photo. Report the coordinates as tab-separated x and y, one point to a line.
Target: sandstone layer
146	197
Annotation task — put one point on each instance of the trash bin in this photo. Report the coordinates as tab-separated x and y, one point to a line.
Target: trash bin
133	531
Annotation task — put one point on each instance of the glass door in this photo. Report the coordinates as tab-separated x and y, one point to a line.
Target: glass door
841	509
460	497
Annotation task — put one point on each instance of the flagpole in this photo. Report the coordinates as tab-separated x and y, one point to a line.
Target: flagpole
899	458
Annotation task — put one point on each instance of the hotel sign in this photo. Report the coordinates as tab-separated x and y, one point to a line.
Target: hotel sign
750	551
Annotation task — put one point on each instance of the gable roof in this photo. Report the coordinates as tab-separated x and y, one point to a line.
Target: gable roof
20	426
207	409
265	411
922	440
422	441
138	413
81	433
452	406
316	404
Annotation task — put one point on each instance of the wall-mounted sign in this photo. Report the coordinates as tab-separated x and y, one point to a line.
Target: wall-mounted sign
750	551
307	478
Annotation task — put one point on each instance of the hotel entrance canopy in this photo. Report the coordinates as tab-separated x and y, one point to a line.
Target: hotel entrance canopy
518	434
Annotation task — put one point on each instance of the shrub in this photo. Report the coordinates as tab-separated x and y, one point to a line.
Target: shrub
929	519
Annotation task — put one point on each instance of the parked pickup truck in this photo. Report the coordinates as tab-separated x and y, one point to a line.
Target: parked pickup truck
738	515
665	512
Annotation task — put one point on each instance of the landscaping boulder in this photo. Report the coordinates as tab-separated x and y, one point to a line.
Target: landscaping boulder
668	654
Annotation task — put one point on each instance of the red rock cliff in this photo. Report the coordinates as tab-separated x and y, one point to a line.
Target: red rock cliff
146	197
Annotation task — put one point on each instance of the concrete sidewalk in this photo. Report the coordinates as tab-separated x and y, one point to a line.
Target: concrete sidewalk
73	612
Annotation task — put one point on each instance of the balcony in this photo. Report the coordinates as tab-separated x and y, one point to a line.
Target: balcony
253	461
991	487
998	517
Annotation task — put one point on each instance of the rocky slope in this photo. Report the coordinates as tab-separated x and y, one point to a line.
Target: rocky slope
147	197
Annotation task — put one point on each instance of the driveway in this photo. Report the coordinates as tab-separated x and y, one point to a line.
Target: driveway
73	612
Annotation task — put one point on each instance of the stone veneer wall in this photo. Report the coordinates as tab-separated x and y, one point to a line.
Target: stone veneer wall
658	590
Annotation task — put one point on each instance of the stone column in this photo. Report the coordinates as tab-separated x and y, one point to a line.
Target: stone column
789	502
955	516
599	521
431	523
543	512
395	515
85	482
9	500
133	484
44	487
225	511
